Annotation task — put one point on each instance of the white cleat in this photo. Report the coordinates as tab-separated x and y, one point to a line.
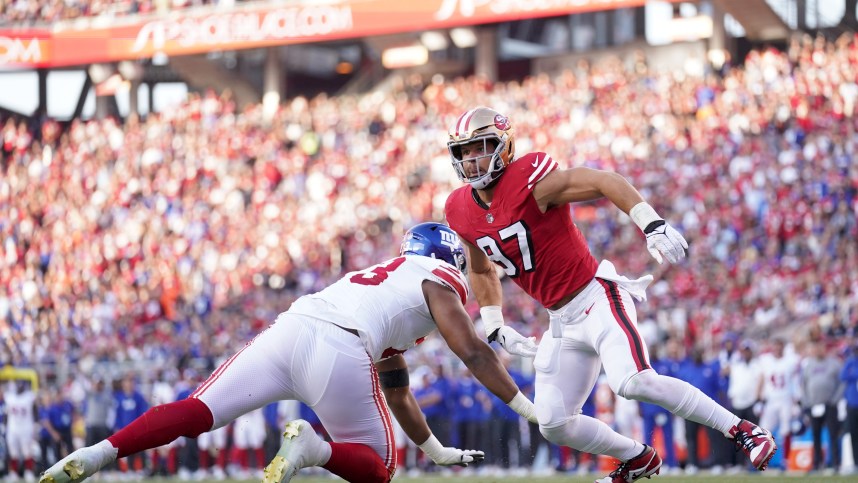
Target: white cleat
301	448
77	466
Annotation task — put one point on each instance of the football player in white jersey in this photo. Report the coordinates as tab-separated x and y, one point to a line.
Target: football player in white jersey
340	352
780	390
21	429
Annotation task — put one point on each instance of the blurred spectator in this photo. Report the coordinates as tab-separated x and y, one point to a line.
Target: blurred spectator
130	405
99	412
433	394
704	375
849	377
666	362
745	386
821	389
34	12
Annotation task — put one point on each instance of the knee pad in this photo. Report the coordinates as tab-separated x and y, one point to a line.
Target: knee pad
642	386
560	431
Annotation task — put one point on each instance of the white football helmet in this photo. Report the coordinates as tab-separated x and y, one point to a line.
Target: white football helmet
486	125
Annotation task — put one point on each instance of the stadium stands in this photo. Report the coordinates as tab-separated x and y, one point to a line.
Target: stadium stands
177	237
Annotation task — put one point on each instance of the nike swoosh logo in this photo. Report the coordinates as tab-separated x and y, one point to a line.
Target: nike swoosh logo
535	163
587	312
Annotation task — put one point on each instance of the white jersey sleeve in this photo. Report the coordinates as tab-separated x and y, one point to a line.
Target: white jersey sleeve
384	303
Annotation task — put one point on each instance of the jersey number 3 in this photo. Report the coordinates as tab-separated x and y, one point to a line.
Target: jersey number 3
492	249
377	274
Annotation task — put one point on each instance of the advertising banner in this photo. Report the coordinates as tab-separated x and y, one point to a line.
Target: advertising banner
261	25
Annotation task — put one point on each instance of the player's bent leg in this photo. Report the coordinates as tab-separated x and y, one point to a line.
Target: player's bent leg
301	448
563	424
353	410
678	397
688	402
156	427
161	425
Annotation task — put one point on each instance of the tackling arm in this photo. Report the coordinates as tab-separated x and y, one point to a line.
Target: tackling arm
399	398
393	374
456	328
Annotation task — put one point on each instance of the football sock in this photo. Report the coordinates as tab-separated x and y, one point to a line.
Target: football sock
357	463
681	399
161	425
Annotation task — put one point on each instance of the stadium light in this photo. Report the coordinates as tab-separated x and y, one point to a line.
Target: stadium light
463	37
433	40
409	56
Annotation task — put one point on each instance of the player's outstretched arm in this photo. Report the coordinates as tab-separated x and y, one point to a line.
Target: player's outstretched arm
487	289
393	376
456	328
584	184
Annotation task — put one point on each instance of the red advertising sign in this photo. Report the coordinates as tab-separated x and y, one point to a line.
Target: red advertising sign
25	48
262	25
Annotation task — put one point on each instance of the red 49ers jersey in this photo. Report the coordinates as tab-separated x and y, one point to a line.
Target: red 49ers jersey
543	253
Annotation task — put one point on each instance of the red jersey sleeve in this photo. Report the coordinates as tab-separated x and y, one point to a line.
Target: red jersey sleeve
531	168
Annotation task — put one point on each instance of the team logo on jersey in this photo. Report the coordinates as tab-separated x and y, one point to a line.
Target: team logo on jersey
501	122
490	218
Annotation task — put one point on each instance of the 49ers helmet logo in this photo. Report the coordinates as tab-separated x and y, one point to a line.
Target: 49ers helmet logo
501	122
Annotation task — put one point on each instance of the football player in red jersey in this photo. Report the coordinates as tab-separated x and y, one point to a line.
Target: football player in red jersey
514	213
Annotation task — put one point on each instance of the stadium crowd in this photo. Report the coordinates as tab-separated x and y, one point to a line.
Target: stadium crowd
44	12
165	243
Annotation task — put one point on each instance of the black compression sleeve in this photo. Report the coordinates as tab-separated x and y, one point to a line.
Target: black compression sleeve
394	378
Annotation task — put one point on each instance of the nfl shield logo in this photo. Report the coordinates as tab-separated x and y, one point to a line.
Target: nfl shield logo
490	218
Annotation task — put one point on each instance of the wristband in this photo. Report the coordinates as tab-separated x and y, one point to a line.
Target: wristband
522	405
492	320
432	447
643	214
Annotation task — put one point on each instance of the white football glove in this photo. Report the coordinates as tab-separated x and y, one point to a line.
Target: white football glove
449	456
663	239
515	343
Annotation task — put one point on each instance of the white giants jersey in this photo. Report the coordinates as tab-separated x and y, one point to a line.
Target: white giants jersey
384	303
779	375
19	411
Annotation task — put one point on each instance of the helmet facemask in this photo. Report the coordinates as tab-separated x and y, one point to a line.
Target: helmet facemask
489	126
495	167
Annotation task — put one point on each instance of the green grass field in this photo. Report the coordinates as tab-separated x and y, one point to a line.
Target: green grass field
580	479
750	478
